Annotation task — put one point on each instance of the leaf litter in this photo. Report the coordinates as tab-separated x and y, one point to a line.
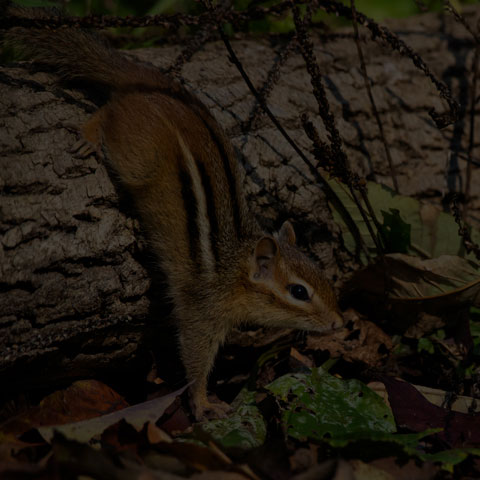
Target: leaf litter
423	272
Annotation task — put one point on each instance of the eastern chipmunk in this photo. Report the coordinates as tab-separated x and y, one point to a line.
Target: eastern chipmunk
186	184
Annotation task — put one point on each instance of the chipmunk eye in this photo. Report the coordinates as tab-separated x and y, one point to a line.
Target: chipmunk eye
298	291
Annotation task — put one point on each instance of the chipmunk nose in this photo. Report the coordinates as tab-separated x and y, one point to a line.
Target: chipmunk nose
338	321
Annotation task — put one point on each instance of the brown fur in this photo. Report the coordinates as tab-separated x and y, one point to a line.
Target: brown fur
171	155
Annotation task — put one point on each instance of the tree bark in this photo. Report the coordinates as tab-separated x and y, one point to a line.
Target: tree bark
75	273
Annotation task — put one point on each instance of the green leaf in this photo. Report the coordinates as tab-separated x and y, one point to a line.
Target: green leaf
347	413
244	429
447	458
475	333
411	444
395	232
475	329
432	232
440	334
407	441
425	344
320	406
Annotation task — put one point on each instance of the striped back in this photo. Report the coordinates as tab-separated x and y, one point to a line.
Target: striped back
186	183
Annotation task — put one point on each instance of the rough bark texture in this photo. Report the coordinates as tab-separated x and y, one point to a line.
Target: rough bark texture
74	277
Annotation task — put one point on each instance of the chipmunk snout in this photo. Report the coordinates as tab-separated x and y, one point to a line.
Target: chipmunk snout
337	322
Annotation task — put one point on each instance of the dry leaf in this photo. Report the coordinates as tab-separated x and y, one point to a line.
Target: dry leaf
445	281
84	399
303	359
136	416
412	410
364	341
156	435
462	404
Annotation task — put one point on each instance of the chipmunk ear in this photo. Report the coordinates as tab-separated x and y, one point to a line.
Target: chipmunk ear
287	233
264	257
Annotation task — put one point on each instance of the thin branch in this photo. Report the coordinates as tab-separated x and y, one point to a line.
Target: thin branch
461	19
272	79
473	94
314	171
463	230
306	47
421	6
15	18
195	43
441	119
56	20
340	167
370	96
471	137
323	154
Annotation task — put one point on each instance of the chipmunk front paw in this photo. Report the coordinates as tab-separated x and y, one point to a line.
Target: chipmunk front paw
84	147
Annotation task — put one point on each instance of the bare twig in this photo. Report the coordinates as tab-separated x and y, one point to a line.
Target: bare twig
321	151
370	96
173	22
473	94
381	32
314	171
461	19
463	230
471	137
56	20
306	47
421	6
340	167
325	159
195	43
272	79
52	18
331	155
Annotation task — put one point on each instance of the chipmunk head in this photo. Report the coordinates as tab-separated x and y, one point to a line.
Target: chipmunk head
289	286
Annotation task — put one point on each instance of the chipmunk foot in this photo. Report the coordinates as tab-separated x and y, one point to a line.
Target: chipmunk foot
203	409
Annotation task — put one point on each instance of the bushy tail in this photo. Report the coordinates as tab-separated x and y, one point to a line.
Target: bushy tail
79	54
